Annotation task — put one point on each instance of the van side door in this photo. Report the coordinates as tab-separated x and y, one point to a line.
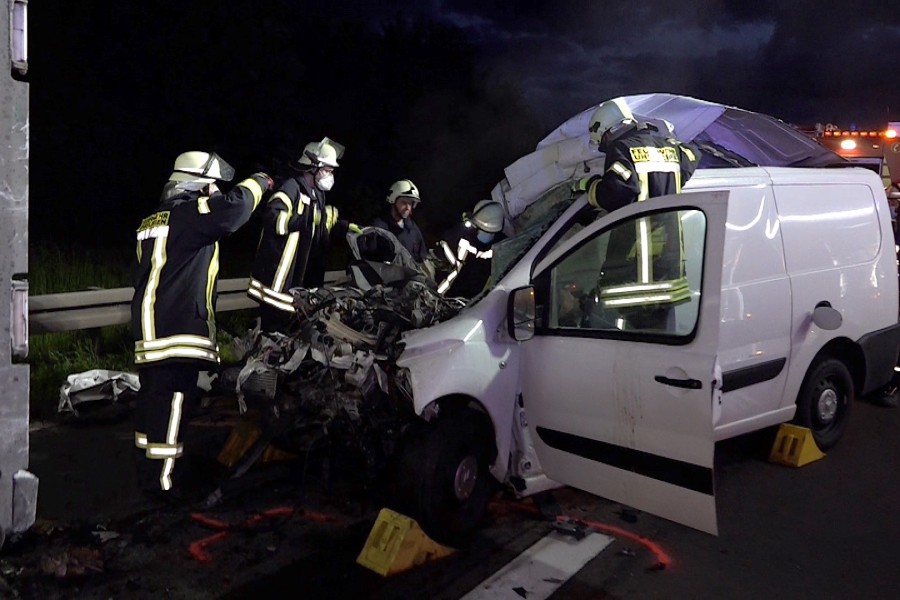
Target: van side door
619	379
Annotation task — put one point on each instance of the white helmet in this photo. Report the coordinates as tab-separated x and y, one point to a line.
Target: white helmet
201	167
403	188
321	154
609	117
488	216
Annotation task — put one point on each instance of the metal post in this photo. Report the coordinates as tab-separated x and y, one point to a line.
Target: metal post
18	487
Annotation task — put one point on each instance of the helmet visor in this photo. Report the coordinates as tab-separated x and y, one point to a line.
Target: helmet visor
217	168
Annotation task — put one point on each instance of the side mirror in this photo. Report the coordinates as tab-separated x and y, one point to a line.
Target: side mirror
520	314
827	318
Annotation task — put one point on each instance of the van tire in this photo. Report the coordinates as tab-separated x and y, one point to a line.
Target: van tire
445	473
824	402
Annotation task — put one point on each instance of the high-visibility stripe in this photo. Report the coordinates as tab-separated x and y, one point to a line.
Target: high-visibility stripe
657	167
157	261
140	440
260	288
211	274
287	258
263	297
203	205
620	170
153	233
165	477
445	285
280	301
138	251
174	418
645	269
160	451
281	223
175	340
255	189
178	352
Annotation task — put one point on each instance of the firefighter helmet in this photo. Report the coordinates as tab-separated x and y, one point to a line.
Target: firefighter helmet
403	188
201	167
320	154
608	119
488	216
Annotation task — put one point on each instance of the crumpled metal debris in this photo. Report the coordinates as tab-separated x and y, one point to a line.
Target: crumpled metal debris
74	561
337	371
95	385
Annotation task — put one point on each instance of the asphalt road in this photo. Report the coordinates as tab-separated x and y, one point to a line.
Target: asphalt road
829	529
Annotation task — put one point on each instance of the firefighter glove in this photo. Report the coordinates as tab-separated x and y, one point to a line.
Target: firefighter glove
584	184
270	183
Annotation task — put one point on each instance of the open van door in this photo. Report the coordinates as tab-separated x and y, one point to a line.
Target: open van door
620	377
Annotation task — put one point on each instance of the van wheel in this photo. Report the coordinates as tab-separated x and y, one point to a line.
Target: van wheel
446	477
824	401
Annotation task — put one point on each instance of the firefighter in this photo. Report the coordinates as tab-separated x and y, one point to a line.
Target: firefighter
641	162
403	197
469	245
173	307
296	230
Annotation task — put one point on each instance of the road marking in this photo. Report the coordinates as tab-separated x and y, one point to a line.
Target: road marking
542	569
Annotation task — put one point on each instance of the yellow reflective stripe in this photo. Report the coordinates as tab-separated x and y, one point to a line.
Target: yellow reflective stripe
688	153
645	269
157	451
211	274
138	251
180	352
281	223
203	205
263	297
255	189
260	289
174	418
140	440
284	216
657	167
157	261
165	477
287	257
331	216
635	295
175	340
620	170
645	187
678	181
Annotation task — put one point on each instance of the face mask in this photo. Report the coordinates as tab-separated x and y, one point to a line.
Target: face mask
324	181
484	237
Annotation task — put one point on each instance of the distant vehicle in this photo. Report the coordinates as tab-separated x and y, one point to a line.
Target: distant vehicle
878	150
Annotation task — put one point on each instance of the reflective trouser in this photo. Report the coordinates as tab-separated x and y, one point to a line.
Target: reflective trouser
168	393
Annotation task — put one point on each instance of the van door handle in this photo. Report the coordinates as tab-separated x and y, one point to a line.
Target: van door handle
691	384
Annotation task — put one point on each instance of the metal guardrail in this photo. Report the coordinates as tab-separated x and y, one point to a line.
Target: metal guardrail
91	309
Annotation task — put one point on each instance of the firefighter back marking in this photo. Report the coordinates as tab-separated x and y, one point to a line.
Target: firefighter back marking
651	154
156	225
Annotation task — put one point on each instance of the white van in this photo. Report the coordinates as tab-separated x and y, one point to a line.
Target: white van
792	312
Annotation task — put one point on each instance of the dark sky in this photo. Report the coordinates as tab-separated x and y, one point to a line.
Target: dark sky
799	60
446	93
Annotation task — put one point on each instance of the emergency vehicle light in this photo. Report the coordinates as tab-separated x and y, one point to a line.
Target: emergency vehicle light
848	144
890	133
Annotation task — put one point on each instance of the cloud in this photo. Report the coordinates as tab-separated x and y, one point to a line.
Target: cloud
800	60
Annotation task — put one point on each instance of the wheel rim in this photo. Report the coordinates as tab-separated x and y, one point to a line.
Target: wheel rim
465	477
827	405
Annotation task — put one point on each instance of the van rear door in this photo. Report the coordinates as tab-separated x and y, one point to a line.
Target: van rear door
619	379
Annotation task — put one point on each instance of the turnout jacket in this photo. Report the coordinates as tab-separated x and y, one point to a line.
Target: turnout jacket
409	236
641	164
173	307
295	236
